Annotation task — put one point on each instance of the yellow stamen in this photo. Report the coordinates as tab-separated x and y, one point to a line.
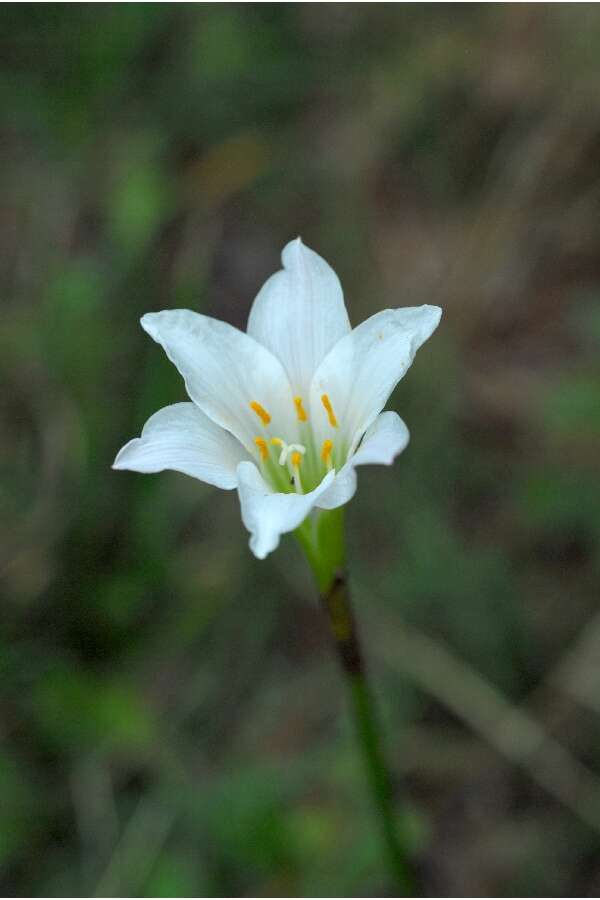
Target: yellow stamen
261	412
277	442
302	417
296	459
326	453
329	410
262	446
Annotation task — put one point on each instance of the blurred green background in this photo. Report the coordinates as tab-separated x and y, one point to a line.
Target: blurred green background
172	718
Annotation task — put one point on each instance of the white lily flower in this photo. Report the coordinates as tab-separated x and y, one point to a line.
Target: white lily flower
287	411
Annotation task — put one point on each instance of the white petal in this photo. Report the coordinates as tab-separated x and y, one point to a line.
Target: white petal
225	371
383	441
267	514
182	438
341	490
300	314
361	371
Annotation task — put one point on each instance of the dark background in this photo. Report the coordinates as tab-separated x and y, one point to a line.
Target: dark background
172	719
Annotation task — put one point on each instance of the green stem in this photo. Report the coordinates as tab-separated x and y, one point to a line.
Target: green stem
323	542
378	775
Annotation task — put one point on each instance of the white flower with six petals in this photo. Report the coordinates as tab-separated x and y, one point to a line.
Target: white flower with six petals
285	412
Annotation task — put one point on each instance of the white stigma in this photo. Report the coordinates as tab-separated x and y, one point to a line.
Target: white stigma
286	449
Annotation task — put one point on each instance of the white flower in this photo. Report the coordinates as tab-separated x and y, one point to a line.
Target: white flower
287	411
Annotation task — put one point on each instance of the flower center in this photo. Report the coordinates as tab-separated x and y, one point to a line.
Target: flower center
281	462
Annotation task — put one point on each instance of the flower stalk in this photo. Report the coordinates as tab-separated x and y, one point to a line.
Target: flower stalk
322	539
284	414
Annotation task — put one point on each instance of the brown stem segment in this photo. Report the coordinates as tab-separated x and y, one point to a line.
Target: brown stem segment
343	626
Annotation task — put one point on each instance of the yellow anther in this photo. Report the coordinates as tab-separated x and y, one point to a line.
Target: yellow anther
295	460
326	452
277	442
262	446
302	417
329	410
261	412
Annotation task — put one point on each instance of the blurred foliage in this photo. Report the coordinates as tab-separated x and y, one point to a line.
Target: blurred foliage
172	723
